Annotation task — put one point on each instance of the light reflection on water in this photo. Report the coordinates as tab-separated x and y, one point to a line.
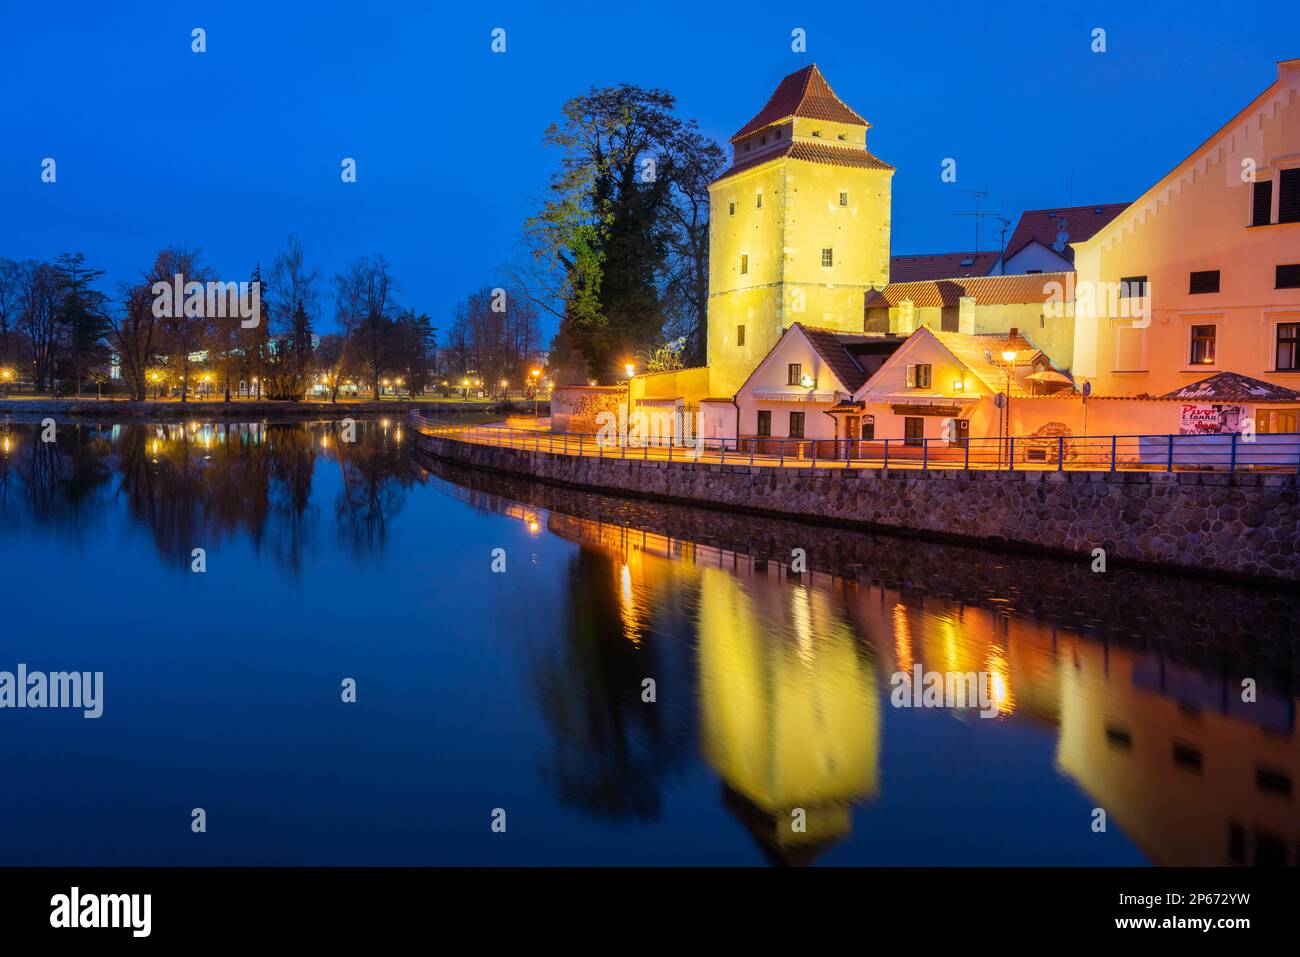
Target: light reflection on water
527	690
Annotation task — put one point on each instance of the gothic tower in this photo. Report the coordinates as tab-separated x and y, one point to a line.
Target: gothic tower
799	227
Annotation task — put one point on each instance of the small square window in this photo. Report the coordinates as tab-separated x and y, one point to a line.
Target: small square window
828	258
918	376
1288	276
740	335
844	198
744	263
1133	287
817	133
1203	282
841	137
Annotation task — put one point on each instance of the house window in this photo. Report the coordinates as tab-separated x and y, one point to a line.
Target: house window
1206	281
1202	345
827	257
913	430
844	198
731	209
758	200
765	422
794	373
1288	196
1262	203
744	263
868	426
1277	421
1133	287
1288	276
796	425
918	376
817	133
842	136
1288	335
740	335
762	141
1270	421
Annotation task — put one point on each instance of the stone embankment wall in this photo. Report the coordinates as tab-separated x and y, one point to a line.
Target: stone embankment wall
1240	525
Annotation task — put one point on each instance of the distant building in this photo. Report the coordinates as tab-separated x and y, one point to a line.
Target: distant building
1041	240
914	268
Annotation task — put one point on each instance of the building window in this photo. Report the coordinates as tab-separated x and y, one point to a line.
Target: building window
765	422
1288	196
796	425
762	141
868	426
1206	281
731	209
1133	287
1202	345
828	258
793	373
817	133
1288	276
844	198
1262	203
913	430
744	263
1277	421
740	335
758	200
1288	336
918	376
746	146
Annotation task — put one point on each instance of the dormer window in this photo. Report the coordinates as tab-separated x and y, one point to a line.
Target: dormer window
817	133
763	141
746	146
841	137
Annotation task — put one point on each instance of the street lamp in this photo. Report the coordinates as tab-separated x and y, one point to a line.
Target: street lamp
6	376
1009	357
630	369
536	374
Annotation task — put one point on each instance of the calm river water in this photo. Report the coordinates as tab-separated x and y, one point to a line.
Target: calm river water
519	695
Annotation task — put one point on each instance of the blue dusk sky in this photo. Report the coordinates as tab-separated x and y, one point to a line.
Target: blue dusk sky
233	149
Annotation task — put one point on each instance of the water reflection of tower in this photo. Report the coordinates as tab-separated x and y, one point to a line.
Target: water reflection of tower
789	721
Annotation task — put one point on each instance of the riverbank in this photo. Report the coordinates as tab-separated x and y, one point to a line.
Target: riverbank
1237	526
33	409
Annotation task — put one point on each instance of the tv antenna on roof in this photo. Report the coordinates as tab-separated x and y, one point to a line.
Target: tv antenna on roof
1006	223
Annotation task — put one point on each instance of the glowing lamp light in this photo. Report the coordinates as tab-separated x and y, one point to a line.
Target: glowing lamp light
806	381
630	369
958	385
1009	355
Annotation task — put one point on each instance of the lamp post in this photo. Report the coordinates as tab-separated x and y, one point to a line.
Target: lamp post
537	375
630	369
1009	357
6	376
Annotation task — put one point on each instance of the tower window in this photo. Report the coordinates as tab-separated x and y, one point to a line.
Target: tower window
827	257
844	198
817	133
758	200
731	209
841	137
744	263
740	335
1262	203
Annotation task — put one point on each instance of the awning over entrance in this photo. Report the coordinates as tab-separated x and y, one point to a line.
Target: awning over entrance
850	408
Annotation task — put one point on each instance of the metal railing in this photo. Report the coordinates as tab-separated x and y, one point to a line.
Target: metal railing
1231	452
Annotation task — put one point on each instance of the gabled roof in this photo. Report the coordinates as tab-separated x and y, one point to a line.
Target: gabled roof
914	268
986	290
1078	223
856	157
804	93
837	349
1170	186
1233	387
979	353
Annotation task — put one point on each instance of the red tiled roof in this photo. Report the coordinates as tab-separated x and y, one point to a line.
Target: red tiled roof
940	266
1079	223
982	354
831	346
804	93
855	157
987	290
